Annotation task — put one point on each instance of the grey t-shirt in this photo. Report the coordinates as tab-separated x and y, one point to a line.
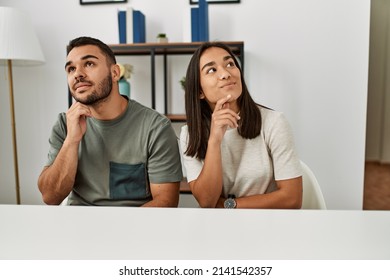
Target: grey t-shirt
119	158
251	167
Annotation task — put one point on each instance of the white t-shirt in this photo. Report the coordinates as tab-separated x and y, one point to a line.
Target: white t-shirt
251	166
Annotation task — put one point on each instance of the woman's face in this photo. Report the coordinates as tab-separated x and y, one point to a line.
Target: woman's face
219	77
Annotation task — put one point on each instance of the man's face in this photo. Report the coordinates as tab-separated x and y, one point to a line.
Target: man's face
88	73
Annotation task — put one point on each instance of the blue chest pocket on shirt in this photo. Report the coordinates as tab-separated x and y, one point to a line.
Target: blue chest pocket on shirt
128	181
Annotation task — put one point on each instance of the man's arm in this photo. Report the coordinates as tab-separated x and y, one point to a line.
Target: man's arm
56	181
164	195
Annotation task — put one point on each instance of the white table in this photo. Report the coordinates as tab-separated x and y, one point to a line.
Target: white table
114	233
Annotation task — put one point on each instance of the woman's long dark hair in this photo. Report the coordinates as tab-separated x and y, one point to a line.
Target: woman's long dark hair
199	113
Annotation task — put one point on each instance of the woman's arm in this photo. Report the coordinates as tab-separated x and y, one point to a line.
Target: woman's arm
207	188
287	196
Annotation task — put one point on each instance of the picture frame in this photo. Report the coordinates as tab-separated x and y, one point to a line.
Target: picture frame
193	2
90	2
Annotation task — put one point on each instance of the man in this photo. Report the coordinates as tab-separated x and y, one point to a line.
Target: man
108	150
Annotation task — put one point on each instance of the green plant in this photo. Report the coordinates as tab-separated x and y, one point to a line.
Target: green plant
183	83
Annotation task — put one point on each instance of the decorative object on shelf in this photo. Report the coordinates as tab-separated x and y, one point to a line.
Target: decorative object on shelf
19	46
200	22
192	2
162	38
88	2
124	85
183	83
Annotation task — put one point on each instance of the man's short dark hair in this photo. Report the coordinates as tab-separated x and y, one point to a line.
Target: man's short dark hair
83	41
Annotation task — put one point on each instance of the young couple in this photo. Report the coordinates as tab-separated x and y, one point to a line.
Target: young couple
109	150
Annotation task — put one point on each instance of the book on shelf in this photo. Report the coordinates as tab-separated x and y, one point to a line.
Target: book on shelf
203	21
200	22
195	24
122	27
131	25
139	32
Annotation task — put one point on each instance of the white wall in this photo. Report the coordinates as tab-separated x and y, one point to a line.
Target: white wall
307	58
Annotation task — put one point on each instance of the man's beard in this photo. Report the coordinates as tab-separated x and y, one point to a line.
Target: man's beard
99	95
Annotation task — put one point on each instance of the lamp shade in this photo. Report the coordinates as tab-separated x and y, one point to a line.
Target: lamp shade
18	41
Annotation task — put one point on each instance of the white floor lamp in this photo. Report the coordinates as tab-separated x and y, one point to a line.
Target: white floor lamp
19	46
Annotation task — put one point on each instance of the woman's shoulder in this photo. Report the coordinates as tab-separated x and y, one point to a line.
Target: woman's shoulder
269	114
272	118
183	132
184	128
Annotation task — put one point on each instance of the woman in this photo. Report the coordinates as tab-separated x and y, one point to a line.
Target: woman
237	154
